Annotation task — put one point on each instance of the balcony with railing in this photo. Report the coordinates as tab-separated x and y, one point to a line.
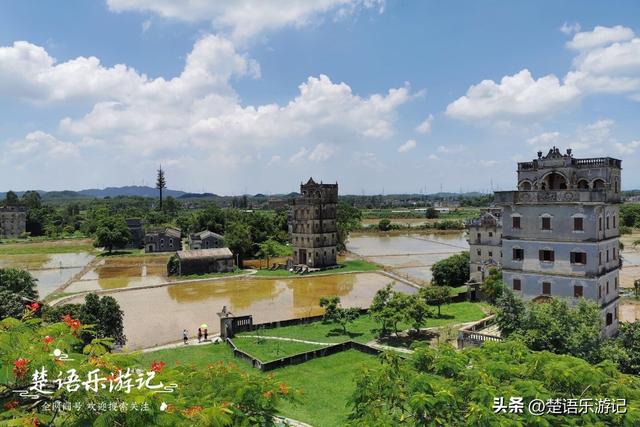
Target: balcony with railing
555	196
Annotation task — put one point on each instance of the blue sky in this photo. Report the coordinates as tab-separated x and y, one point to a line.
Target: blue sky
255	96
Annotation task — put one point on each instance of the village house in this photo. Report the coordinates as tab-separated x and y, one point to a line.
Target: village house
167	240
205	240
485	243
201	261
13	221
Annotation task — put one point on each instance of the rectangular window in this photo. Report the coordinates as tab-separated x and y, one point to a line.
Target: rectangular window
614	221
599	291
479	268
546	223
479	252
578	257
609	319
577	291
600	224
607	287
607	257
546	255
615	283
478	237
607	223
546	288
518	254
600	258
578	224
517	285
515	222
490	254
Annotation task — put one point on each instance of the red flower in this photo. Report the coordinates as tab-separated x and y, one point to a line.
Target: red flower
267	394
10	405
47	340
75	324
157	366
20	367
35	422
67	318
33	307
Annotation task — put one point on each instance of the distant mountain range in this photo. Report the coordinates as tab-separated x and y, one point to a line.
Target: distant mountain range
130	190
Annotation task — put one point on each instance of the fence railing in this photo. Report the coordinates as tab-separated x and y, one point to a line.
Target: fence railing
469	335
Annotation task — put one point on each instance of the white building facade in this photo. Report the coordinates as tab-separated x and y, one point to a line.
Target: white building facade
561	231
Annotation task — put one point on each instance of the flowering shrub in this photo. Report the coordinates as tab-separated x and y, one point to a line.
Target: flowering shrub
125	392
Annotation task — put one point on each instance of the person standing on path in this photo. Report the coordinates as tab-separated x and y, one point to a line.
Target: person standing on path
185	338
200	335
206	333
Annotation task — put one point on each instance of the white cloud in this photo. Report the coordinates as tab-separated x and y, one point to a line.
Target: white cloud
275	159
600	36
544	139
322	152
454	149
368	160
629	148
247	18
516	95
433	157
425	126
146	25
299	155
488	163
570	28
607	61
407	146
42	145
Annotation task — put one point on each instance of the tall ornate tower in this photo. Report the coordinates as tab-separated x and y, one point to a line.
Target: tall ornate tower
561	231
313	225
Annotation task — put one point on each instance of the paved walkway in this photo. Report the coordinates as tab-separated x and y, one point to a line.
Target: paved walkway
286	339
190	343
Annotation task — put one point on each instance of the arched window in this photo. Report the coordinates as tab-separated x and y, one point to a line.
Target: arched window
554	181
598	184
525	186
583	184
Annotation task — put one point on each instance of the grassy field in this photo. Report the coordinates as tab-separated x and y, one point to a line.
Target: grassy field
351	266
326	383
268	350
47	247
364	329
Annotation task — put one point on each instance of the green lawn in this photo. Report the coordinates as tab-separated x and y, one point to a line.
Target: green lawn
351	266
326	384
48	248
268	350
365	329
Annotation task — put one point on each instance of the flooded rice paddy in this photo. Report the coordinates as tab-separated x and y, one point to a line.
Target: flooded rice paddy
409	255
158	315
51	270
123	272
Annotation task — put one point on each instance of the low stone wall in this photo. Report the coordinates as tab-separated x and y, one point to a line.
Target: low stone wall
301	357
468	336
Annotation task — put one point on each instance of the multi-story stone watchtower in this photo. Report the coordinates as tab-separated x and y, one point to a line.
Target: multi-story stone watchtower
560	235
313	225
485	243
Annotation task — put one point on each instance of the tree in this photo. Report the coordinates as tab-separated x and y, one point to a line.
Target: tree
436	295
335	313
348	218
11	199
417	312
161	184
627	343
216	394
271	248
511	311
171	206
32	200
492	286
396	310
112	232
557	327
379	305
18	282
432	213
11	304
384	224
452	271
237	236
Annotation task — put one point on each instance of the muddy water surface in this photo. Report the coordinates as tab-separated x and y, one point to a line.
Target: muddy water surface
123	272
410	255
158	315
51	270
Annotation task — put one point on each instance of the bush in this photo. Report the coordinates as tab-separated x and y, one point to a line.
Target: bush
452	271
